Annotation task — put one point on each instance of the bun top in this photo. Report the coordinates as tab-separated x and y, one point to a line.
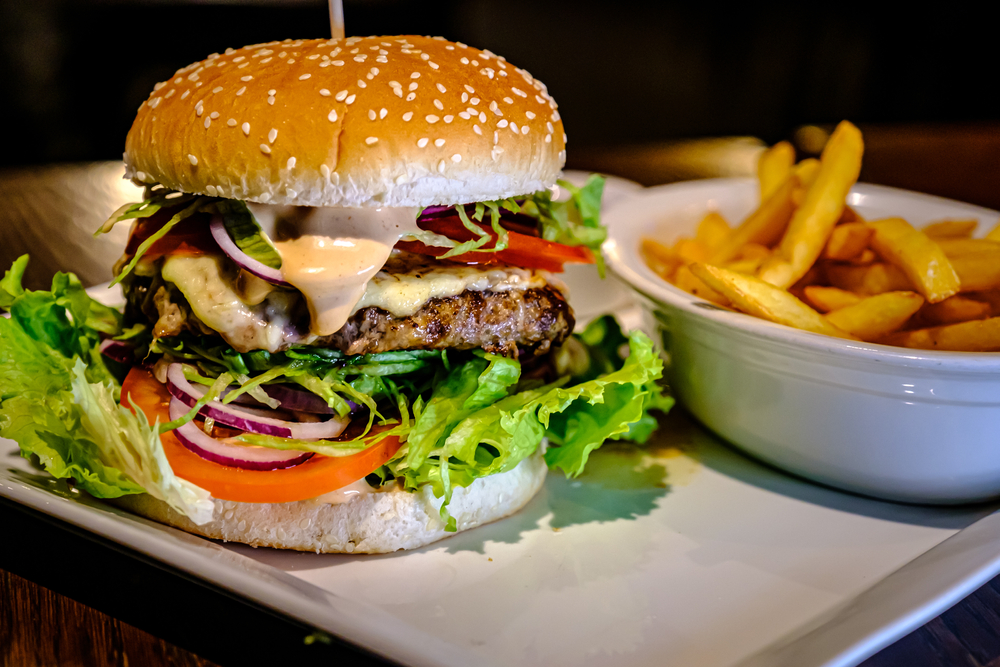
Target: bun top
361	121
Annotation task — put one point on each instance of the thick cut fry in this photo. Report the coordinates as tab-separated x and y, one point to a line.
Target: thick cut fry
807	171
977	270
764	226
812	222
712	231
975	336
954	309
877	315
825	299
774	167
745	266
849	215
691	284
867	280
847	241
922	260
949	229
755	297
954	246
754	251
660	258
690	250
994	234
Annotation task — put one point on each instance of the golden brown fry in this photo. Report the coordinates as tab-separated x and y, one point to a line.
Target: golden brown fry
712	230
849	215
754	251
774	167
687	281
954	309
745	266
847	241
956	246
690	250
975	336
755	297
812	222
994	234
660	258
867	280
922	260
878	315
764	226
807	170
825	299
977	270
949	229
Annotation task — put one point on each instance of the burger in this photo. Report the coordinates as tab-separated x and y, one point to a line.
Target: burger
343	330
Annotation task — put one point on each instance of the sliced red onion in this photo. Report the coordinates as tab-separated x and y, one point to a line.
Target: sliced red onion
222	451
248	419
288	398
243	260
117	350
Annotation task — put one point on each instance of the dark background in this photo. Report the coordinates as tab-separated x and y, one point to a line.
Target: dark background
73	72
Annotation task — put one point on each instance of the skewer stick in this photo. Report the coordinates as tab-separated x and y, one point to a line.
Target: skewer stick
337	19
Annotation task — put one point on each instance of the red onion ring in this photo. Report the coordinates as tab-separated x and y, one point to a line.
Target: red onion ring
117	350
248	419
236	456
243	260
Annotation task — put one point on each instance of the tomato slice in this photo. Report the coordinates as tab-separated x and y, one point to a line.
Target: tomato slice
318	475
190	236
522	250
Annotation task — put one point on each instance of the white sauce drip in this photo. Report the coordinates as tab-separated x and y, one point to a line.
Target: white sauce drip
345	494
337	253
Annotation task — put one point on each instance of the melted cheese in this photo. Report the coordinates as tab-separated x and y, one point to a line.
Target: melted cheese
336	253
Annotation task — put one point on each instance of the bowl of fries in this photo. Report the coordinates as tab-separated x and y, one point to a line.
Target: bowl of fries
848	333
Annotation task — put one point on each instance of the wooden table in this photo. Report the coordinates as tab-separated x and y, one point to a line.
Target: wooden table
70	598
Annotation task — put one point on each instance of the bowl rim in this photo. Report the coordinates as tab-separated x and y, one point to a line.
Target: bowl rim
643	214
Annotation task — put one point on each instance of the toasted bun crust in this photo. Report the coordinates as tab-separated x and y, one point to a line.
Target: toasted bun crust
362	121
379	522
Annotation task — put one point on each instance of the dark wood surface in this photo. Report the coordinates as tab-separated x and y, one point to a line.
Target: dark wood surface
68	598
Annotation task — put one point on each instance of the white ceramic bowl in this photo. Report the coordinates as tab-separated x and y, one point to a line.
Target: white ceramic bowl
888	422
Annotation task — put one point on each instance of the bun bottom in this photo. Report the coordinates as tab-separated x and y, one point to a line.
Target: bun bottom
379	522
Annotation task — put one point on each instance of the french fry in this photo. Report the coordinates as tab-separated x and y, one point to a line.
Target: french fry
922	260
974	336
847	241
764	226
878	315
690	283
825	299
950	229
774	167
957	246
745	266
660	258
954	309
867	280
993	234
849	215
691	250
754	251
712	231
977	270
866	256
755	297
807	170
812	222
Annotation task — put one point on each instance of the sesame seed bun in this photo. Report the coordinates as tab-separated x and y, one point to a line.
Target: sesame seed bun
362	121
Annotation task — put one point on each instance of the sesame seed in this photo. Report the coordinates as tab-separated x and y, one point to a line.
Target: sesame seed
382	112
422	142
508	100
464	115
362	84
270	100
198	109
564	137
441	88
381	59
338	63
513	127
524	129
415	75
155	102
548	138
170	93
439	142
324	92
456	158
214	115
208	122
475	128
141	175
475	101
433	64
217	89
407	116
265	197
324	170
482	116
272	135
231	122
412	86
437	103
441	166
502	123
448	118
264	148
530	115
360	59
411	97
464	60
246	129
332	116
548	126
350	99
340	96
371	114
470	89
495	109
193	160
402	178
291	60
291	194
496	137
210	189
371	140
373	71
431	118
241	91
272	92
246	78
